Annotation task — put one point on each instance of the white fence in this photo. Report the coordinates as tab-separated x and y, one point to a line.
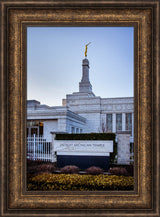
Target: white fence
38	148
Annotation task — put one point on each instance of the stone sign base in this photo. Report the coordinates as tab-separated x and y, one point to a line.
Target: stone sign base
123	147
83	153
83	162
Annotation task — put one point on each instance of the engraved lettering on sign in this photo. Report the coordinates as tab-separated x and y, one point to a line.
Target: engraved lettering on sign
84	146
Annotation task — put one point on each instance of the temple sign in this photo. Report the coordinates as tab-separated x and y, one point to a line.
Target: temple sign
86	49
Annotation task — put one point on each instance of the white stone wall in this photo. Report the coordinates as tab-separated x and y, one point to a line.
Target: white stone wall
117	105
61	125
94	109
87	105
123	150
49	126
92	122
74	123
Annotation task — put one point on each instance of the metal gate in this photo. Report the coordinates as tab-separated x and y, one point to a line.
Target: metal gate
38	148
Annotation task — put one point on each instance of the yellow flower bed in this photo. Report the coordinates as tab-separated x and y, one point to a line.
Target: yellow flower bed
80	182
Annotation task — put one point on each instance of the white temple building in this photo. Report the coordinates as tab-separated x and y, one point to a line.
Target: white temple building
82	112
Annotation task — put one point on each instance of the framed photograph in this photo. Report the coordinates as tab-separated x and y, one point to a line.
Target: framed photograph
103	105
17	21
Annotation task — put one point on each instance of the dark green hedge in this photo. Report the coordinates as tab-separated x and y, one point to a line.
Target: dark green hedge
86	136
92	136
114	153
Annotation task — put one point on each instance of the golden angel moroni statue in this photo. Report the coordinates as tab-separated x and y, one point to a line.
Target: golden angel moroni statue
86	49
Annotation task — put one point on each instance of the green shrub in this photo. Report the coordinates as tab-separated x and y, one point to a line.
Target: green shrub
70	169
47	167
118	171
94	170
32	169
37	167
49	182
34	162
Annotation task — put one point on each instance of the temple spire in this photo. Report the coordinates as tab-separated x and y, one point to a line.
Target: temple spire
85	85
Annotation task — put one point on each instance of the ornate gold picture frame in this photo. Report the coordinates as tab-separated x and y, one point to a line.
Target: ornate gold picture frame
144	17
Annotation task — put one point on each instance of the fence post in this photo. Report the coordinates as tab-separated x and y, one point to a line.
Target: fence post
123	155
53	156
34	143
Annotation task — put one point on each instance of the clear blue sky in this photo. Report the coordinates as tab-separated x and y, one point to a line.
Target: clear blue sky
54	61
